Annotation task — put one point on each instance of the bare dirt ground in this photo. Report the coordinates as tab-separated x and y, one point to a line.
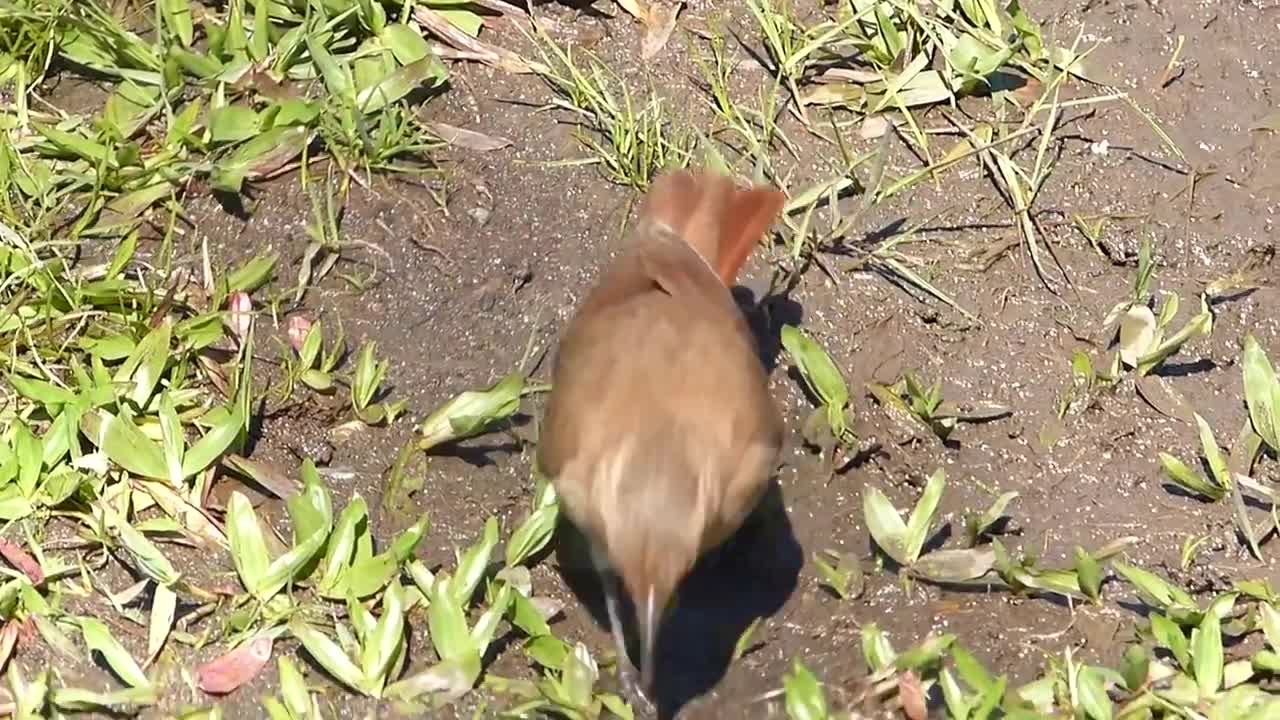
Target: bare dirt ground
466	287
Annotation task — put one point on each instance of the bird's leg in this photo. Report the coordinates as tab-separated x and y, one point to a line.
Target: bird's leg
631	689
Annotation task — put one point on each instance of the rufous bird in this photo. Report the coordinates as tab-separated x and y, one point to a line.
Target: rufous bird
660	435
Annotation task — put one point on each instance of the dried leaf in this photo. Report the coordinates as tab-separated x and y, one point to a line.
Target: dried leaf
468	139
659	23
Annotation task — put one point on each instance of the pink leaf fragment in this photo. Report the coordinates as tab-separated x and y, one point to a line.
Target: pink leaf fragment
911	694
228	672
17	557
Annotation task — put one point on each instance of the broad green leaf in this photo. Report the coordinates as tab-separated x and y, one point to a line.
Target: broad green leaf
146	364
99	639
1093	694
803	696
265	153
406	44
311	512
1089	572
1154	589
1189	479
1170	636
1200	325
253	274
164	605
885	524
1261	392
474	562
330	656
337	77
922	515
387	638
533	534
30	456
177	19
342	543
400	83
1270	618
131	449
447	622
471	411
487	624
1206	655
1213	453
816	367
876	648
248	547
209	448
232	124
150	561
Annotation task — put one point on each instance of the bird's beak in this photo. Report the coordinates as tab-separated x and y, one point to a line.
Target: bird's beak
650	620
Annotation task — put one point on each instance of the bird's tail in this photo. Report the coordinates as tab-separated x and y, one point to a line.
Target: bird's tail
720	221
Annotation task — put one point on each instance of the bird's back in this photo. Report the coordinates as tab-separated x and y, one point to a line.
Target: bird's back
672	378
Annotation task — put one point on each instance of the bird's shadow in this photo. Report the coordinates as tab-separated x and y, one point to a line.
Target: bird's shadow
766	317
749	577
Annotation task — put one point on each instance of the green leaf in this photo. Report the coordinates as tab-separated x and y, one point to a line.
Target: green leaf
400	83
537	529
150	561
802	694
1136	667
29	452
406	44
816	367
253	274
1089	572
177	19
330	656
1206	654
311	513
131	449
1261	392
1154	590
99	639
248	547
473	564
232	123
146	364
1171	637
387	638
922	515
209	448
1137	334
342	543
1093	694
337	77
265	153
447	623
1200	325
1188	479
885	524
1213	453
470	412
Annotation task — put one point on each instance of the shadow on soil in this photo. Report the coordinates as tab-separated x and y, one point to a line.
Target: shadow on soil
750	576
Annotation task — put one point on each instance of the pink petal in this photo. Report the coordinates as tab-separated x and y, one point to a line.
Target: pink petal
224	674
241	313
297	328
